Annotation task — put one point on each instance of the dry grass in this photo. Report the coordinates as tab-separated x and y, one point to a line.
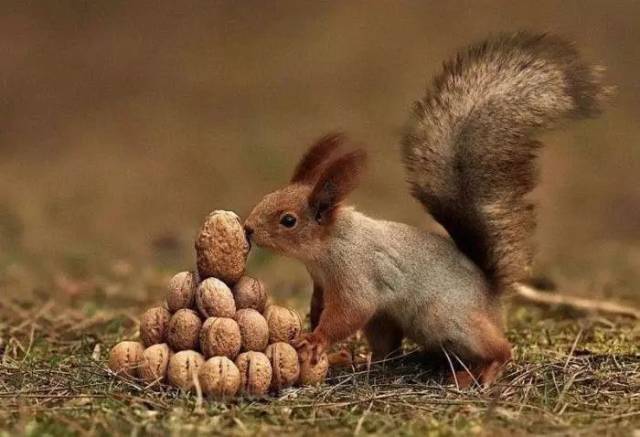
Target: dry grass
125	123
577	375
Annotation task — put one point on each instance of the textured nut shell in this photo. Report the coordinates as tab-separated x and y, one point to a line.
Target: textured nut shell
221	247
254	330
284	324
182	366
313	374
125	358
250	293
184	330
155	360
182	291
220	336
255	373
214	299
284	365
219	377
153	325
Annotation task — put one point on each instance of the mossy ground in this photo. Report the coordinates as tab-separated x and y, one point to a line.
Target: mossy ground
571	373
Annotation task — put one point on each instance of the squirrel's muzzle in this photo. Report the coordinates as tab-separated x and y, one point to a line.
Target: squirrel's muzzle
248	232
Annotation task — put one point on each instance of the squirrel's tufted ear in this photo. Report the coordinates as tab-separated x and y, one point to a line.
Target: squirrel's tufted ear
309	167
337	180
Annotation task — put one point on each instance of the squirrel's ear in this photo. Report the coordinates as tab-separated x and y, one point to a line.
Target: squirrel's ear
308	169
338	179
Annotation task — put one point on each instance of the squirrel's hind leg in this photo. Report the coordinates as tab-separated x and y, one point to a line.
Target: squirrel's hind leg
484	353
384	336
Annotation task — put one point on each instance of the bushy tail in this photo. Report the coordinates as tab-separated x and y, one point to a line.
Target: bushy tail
469	150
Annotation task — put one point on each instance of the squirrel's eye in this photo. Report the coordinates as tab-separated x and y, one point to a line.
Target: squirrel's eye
288	221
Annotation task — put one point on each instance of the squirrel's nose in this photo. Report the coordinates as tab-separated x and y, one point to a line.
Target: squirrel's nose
248	231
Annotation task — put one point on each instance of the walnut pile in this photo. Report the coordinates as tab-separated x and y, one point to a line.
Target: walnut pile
216	329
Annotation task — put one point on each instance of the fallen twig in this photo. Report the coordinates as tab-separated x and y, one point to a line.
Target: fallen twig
530	294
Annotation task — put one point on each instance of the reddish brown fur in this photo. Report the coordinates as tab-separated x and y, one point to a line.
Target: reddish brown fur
317	305
336	182
489	350
338	321
308	169
310	204
384	336
470	156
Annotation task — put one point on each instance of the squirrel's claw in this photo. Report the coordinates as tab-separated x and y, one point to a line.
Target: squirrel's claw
311	346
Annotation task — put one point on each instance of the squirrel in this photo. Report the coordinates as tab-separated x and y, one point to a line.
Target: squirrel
470	156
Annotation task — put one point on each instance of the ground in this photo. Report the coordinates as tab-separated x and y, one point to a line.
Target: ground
571	373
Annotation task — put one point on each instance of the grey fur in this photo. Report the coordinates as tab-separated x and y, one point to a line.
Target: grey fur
470	159
469	150
418	279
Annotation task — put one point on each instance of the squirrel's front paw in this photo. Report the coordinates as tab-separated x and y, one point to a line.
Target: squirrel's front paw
311	346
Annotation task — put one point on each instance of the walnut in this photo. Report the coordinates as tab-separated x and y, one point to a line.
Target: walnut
214	299
183	368
155	359
222	247
125	358
255	373
313	374
184	330
153	325
220	336
254	330
284	324
219	377
250	293
284	364
182	291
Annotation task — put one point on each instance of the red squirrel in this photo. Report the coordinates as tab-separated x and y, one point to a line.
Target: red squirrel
470	158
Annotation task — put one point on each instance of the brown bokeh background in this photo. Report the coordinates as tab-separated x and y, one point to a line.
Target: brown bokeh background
124	123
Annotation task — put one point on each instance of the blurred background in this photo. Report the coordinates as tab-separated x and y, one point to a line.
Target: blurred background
122	124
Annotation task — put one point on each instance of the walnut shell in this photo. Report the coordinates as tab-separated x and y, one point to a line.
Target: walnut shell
125	358
214	299
254	330
182	291
184	330
250	293
153	325
284	365
155	359
183	367
313	374
222	247
220	336
255	373
219	377
284	324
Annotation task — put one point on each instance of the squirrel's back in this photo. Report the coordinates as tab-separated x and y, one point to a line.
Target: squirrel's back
469	150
